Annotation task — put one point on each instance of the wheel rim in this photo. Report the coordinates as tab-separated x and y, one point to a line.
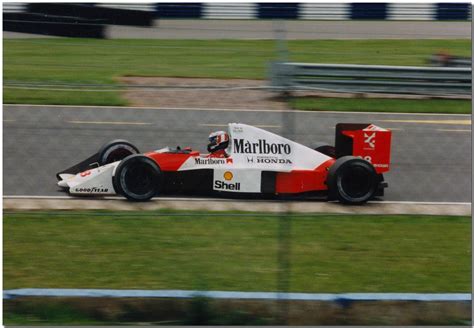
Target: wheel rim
356	182
139	179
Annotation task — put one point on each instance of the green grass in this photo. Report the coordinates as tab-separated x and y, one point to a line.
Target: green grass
103	61
61	97
160	250
383	105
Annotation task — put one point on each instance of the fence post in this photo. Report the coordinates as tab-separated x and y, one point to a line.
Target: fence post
284	221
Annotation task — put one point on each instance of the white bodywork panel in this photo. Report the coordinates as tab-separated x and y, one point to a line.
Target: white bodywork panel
237	180
97	181
251	147
252	150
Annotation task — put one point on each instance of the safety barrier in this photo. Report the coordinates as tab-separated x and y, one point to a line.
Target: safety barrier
35	23
347	297
319	11
304	11
72	20
439	81
96	14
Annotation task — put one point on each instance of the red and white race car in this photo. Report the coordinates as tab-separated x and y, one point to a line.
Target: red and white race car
256	163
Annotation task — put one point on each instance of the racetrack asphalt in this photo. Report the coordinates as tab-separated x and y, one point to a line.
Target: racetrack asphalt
431	154
295	30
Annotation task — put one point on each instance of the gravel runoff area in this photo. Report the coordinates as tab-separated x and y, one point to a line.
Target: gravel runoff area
235	93
219	93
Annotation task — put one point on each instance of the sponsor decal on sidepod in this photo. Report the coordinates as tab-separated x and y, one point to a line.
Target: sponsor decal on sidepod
212	161
243	146
222	185
268	160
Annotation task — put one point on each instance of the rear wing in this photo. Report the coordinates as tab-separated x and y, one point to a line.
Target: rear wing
367	141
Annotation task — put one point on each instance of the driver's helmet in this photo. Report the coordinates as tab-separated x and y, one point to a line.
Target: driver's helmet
218	140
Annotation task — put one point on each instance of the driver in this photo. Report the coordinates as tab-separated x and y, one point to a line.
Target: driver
218	142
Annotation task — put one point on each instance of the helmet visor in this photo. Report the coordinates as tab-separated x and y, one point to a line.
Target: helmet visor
213	140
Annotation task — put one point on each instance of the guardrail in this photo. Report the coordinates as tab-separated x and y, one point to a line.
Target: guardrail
431	81
177	306
346	297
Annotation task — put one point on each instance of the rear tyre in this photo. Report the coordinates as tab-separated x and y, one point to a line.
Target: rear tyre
137	178
327	150
352	180
116	150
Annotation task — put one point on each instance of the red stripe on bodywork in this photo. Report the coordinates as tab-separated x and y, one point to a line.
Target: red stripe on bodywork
171	161
303	180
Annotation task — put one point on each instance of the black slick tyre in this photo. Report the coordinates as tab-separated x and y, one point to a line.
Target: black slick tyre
327	150
137	178
116	150
352	180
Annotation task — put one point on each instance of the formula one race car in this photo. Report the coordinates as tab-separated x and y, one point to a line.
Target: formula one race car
254	163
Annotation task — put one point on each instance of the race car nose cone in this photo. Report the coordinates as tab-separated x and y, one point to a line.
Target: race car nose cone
62	184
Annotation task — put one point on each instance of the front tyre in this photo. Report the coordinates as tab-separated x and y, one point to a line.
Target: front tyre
352	180
137	178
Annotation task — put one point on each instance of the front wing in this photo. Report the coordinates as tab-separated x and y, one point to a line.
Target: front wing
96	181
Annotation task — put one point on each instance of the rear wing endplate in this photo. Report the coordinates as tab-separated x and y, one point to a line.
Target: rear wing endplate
367	141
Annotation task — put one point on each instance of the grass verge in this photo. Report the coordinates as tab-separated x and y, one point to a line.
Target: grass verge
109	311
48	313
92	61
175	250
210	312
383	105
62	97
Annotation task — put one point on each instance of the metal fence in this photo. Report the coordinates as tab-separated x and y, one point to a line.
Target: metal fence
282	253
371	79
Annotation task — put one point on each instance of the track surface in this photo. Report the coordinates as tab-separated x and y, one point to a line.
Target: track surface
295	30
431	154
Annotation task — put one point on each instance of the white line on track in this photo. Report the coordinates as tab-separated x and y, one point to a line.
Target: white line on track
235	110
109	123
453	122
226	125
421	203
57	197
453	130
219	199
122	198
